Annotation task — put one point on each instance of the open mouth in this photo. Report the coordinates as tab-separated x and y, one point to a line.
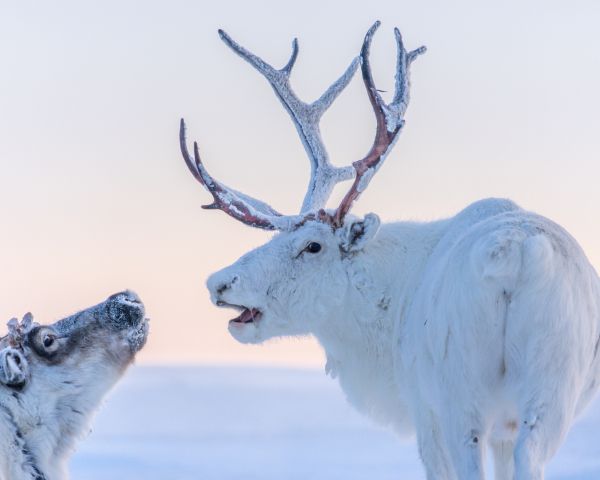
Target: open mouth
248	315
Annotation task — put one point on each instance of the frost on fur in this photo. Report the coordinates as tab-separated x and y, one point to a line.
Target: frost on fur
53	377
306	117
479	329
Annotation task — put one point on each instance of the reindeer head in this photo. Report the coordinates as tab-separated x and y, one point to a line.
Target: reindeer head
53	376
298	278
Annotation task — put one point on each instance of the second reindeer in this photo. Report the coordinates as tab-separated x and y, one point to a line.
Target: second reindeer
478	329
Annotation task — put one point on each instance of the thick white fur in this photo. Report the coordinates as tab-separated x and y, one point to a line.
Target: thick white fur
475	330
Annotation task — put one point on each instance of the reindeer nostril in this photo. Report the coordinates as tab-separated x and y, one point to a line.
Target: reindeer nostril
226	286
124	310
218	285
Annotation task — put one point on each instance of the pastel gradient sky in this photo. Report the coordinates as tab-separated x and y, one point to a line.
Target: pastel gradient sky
95	197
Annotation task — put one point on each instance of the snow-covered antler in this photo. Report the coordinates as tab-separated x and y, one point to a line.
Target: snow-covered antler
324	176
240	206
390	118
306	118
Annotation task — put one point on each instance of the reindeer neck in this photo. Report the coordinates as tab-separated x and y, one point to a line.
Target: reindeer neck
380	282
19	461
359	340
44	446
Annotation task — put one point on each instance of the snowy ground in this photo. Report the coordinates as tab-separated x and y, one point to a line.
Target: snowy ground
218	423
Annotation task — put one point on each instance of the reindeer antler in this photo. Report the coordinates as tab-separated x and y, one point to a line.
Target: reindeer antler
324	176
240	206
17	330
390	117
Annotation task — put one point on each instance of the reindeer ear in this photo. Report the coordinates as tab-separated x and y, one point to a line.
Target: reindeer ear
357	233
14	369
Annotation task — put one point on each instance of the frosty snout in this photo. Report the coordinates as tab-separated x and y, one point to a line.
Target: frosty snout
121	311
124	310
221	283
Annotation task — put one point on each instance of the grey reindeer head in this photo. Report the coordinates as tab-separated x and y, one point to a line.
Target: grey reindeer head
53	377
112	331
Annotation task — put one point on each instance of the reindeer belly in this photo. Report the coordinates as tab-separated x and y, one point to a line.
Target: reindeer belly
373	393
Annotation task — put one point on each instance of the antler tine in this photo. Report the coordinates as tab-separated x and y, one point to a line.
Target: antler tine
17	330
390	118
238	205
306	118
14	333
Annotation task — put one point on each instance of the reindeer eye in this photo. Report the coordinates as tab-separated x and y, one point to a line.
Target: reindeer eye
48	340
313	247
45	341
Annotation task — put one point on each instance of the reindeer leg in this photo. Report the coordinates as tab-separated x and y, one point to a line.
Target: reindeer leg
464	434
432	448
543	428
504	466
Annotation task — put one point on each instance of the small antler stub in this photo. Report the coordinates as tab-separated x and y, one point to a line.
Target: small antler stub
17	330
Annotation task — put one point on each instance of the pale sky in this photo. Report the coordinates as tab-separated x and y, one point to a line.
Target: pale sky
95	197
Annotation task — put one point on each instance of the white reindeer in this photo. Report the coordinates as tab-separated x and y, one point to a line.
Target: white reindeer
53	377
481	329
